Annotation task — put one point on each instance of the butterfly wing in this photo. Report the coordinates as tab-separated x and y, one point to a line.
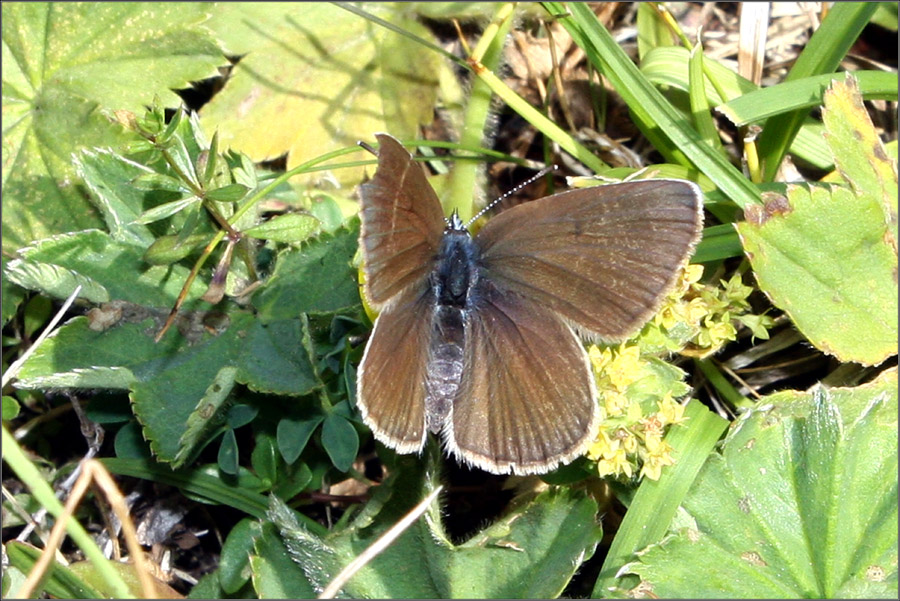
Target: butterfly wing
528	401
392	375
402	224
603	258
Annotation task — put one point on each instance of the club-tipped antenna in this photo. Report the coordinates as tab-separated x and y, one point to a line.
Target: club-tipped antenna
509	193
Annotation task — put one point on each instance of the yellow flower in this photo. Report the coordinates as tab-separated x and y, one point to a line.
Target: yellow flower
670	411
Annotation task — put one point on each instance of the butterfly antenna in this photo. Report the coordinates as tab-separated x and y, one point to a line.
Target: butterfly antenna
509	193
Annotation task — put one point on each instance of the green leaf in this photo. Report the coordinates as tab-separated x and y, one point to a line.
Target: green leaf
208	416
108	176
293	434
228	193
166	209
109	269
327	69
668	68
531	552
130	443
859	154
801	503
317	278
340	440
234	561
56	89
275	359
171	249
656	501
228	453
10	407
293	227
275	575
824	257
804	93
822	54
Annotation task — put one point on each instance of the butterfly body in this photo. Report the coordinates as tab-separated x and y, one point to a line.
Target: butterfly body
476	340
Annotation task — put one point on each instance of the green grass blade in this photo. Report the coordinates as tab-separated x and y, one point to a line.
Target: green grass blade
666	128
803	94
828	45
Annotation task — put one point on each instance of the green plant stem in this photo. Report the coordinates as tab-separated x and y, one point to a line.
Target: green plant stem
462	179
722	385
26	471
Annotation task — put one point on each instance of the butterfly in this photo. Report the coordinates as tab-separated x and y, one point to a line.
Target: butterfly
478	339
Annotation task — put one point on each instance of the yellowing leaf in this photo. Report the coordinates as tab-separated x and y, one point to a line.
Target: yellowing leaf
313	78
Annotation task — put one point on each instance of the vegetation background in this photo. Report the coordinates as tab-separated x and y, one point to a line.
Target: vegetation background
203	157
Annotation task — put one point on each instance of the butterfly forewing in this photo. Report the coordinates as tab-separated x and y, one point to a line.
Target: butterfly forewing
392	374
602	258
402	223
527	401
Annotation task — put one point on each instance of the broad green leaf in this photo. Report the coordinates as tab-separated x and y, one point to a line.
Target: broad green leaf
127	571
275	359
315	78
58	90
10	407
108	176
172	382
824	257
800	503
859	154
531	552
130	443
317	278
109	269
11	295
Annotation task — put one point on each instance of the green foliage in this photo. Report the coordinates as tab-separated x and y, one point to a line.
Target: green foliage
825	527
249	397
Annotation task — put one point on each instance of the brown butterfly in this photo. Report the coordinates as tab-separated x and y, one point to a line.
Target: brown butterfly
476	340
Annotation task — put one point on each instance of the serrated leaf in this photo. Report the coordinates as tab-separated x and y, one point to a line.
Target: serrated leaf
293	227
108	176
207	417
328	69
96	259
56	89
801	503
859	153
317	278
532	552
275	359
824	257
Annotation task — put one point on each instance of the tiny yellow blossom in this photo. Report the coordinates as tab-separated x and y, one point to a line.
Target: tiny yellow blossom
670	411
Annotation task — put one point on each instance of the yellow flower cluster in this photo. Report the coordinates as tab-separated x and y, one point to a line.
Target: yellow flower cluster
637	391
637	403
698	319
